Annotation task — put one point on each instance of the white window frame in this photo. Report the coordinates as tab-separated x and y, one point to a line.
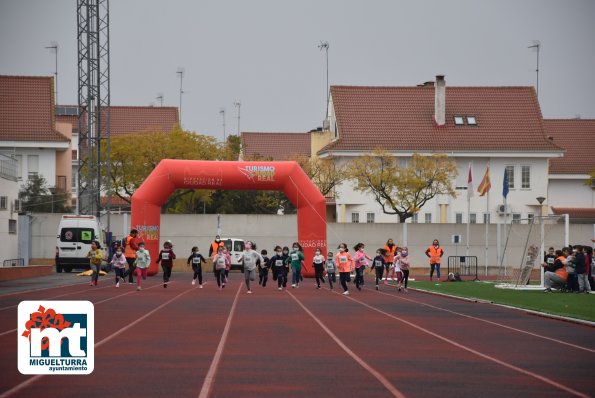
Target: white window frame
12	226
3	202
458	218
516	218
523	168
472	218
510	169
355	217
370	218
530	217
428	218
486	218
414	219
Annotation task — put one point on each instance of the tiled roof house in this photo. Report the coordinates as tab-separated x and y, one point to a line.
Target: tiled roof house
275	146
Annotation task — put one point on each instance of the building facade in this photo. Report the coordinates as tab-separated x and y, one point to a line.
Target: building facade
9	208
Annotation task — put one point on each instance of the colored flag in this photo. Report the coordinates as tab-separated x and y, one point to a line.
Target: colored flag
505	184
470	182
485	184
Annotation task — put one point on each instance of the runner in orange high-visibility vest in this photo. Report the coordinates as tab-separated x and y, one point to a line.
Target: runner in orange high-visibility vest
435	252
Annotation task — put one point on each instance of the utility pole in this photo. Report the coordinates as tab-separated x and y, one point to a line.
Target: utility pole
180	72
53	47
536	45
222	113
160	99
238	105
325	46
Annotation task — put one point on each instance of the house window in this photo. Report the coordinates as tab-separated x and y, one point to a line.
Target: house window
370	218
525	177
472	218
486	218
471	121
530	218
516	218
403	162
32	165
19	159
355	218
12	226
459	121
414	219
3	202
459	218
510	174
428	218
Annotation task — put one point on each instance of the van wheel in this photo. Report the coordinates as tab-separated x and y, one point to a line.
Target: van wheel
59	268
68	269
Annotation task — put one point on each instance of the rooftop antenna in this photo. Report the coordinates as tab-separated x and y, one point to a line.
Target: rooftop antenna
180	73
537	46
323	46
160	98
238	105
222	113
53	47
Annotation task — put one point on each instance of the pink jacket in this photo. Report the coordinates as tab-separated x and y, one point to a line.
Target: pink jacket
360	259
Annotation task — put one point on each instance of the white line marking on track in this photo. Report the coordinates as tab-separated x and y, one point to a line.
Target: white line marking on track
99	302
491	322
210	377
471	350
383	380
33	379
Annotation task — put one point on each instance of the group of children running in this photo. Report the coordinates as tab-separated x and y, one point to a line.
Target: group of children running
389	262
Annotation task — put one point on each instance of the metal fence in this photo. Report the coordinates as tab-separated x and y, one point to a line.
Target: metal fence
14	262
463	265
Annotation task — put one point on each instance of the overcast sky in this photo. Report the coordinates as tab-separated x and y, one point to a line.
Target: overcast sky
264	53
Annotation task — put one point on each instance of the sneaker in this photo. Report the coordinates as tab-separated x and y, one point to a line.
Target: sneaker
249	292
359	288
405	290
346	293
138	288
317	287
293	285
91	284
95	283
377	287
164	285
399	288
279	288
117	284
547	290
122	279
223	285
193	282
200	286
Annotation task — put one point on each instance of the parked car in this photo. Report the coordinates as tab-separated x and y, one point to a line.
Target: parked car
75	234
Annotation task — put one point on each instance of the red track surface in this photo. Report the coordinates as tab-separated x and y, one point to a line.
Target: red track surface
306	342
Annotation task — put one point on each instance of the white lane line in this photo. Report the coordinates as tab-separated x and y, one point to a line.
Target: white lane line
33	379
99	302
210	377
479	354
492	323
383	380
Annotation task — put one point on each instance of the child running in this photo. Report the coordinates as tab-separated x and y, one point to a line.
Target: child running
318	263
221	260
249	257
331	269
95	257
263	269
345	265
166	258
296	256
141	263
379	264
389	257
119	264
404	264
278	264
196	259
360	264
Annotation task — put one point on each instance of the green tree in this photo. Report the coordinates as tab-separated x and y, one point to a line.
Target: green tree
37	197
326	174
403	190
591	180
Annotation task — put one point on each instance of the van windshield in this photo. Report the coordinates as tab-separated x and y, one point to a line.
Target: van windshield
82	235
238	245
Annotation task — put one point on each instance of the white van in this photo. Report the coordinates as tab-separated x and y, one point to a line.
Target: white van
235	247
75	234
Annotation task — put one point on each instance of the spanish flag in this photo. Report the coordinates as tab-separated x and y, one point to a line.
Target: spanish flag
485	184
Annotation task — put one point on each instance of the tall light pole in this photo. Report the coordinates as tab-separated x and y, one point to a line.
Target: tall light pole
160	99
222	113
238	105
536	45
324	46
180	73
53	47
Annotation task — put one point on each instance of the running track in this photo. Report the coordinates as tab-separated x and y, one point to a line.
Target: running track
190	342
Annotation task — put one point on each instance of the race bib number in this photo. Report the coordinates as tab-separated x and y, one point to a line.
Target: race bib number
279	263
550	260
330	266
343	259
318	261
220	263
248	259
196	260
165	256
295	256
378	264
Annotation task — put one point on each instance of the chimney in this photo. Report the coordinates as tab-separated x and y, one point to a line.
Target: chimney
440	101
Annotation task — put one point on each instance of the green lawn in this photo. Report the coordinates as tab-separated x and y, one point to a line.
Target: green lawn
581	306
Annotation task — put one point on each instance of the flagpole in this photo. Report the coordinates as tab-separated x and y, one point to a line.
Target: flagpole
469	194
487	226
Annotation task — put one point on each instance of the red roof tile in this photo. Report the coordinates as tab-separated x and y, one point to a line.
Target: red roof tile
577	136
575	212
277	146
134	119
27	109
402	118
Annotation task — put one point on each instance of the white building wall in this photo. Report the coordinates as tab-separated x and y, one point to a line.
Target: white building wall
573	192
521	201
47	164
8	240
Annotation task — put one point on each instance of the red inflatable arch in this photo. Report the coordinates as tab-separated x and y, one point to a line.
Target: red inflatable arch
288	177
